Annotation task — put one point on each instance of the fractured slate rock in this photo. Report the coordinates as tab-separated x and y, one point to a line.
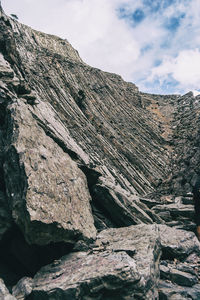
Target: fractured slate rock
48	193
121	265
183	278
176	211
123	211
168	290
175	274
177	243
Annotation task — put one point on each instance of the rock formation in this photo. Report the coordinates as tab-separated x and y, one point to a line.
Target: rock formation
95	179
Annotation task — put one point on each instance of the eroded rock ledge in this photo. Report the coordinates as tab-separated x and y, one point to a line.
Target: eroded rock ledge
95	179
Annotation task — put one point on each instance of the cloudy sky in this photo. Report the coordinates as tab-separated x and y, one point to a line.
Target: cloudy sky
153	43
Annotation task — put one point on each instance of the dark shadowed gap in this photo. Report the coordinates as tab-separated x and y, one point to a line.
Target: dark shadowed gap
19	259
102	218
169	254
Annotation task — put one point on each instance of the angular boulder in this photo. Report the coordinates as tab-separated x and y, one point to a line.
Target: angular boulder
177	243
122	264
48	193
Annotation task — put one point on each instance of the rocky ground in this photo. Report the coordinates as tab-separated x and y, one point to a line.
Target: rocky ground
95	179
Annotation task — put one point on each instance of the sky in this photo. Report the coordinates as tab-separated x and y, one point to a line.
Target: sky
152	43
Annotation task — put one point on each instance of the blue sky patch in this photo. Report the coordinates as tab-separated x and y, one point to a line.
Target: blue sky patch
173	23
138	15
122	12
132	17
168	86
156	5
157	62
146	48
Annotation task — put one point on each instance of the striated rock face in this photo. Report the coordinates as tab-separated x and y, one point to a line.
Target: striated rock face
123	263
49	197
113	268
95	179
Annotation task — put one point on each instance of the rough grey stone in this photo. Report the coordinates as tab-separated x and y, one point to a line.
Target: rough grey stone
183	278
167	290
177	243
47	191
4	293
176	211
122	265
180	273
124	210
23	288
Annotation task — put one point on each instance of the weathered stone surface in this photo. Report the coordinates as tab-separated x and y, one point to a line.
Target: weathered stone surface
183	278
177	243
23	288
103	113
180	274
121	264
4	293
177	212
47	191
170	291
123	209
185	138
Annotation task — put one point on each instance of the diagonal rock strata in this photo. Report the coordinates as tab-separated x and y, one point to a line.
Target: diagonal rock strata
83	151
48	193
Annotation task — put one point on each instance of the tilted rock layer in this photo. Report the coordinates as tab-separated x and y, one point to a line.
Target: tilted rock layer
83	155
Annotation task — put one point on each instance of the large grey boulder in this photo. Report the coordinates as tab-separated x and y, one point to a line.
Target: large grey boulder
48	193
122	264
176	243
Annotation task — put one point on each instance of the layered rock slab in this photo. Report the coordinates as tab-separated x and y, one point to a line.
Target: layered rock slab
48	193
177	243
123	264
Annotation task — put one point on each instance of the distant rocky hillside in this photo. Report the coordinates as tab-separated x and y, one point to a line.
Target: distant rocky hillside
95	179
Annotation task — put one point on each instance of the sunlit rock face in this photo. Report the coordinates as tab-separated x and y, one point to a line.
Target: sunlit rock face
95	178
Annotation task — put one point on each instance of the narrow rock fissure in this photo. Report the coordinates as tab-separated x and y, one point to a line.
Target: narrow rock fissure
102	218
19	259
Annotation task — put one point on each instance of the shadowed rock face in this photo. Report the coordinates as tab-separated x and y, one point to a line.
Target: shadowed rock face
83	155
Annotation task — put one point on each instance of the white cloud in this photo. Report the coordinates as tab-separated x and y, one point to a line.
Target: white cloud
196	93
185	69
105	41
